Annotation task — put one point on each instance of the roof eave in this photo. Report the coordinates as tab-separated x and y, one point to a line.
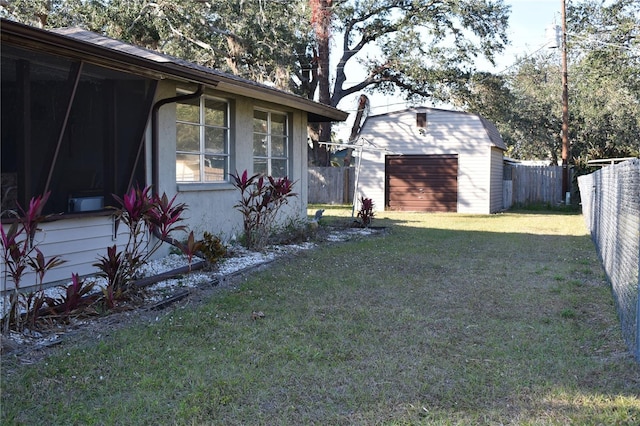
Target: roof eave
317	112
25	36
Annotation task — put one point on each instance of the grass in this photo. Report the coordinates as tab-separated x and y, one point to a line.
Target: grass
443	320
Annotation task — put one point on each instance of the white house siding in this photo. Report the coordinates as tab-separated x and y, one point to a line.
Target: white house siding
371	179
78	241
473	180
447	132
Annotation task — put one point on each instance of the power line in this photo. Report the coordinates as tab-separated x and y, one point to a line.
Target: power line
591	39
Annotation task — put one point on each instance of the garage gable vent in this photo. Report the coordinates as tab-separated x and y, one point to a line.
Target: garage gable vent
421	123
421	120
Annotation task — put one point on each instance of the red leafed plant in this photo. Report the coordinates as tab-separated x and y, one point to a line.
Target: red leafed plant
142	213
260	200
77	296
164	216
365	214
145	215
20	254
18	241
111	267
192	247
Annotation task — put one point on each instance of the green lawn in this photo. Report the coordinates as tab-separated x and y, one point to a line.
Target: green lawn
444	319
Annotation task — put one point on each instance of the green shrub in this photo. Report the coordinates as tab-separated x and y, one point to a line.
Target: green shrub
212	248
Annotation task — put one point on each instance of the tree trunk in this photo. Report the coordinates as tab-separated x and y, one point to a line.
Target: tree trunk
363	103
321	19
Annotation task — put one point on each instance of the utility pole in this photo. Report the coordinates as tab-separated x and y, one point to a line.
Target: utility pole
565	110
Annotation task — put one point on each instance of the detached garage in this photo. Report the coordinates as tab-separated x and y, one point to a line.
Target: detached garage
432	160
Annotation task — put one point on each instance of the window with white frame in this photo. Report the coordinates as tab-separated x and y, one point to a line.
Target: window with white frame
202	140
270	143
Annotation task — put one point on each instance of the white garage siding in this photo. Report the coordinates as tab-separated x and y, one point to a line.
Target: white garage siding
497	171
473	139
473	180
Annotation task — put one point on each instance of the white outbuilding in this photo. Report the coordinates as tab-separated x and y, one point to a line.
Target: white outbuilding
431	160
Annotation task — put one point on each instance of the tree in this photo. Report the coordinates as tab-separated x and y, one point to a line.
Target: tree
258	40
605	46
321	16
420	49
525	106
604	90
415	47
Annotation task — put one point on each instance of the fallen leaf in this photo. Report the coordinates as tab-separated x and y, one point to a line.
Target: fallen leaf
257	314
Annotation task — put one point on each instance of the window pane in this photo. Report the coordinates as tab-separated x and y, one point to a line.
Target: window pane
215	113
278	124
260	166
259	145
215	168
260	122
278	168
187	137
215	140
187	168
189	110
278	146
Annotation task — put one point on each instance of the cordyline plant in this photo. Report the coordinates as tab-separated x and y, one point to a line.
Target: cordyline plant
260	199
366	211
77	297
144	214
21	254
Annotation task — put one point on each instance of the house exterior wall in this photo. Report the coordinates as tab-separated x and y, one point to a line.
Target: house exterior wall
81	240
210	206
78	241
446	132
108	120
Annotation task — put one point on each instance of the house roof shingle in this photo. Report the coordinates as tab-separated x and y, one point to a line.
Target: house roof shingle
86	45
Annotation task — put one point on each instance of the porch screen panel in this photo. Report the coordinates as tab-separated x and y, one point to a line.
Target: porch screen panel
99	147
35	95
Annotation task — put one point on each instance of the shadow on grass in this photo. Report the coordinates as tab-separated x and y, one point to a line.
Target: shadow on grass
440	320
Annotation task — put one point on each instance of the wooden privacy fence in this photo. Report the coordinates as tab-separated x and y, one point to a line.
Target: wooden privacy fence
331	185
522	185
532	184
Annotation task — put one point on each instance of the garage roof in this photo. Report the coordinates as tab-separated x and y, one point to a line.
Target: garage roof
491	130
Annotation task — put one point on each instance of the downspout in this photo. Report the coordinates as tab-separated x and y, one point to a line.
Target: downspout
155	149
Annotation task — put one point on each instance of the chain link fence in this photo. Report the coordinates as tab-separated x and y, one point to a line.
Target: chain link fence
611	209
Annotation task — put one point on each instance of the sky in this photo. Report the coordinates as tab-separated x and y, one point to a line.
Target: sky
528	24
527	32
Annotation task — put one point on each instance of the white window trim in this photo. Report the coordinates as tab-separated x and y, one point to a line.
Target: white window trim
201	184
287	136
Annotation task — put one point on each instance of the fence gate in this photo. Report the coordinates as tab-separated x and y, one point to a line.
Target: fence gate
331	185
525	184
